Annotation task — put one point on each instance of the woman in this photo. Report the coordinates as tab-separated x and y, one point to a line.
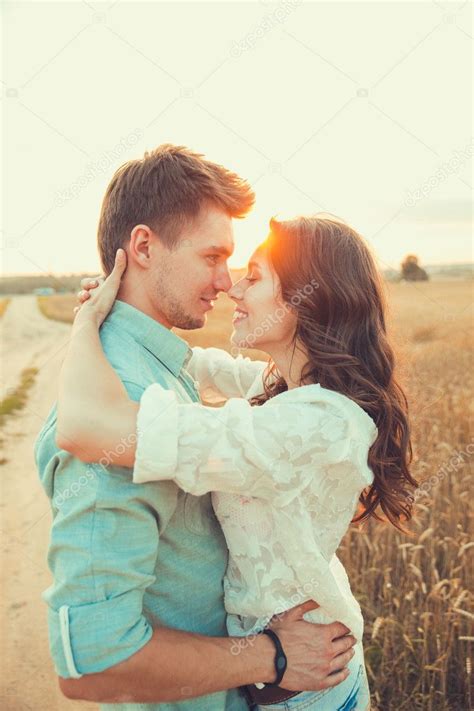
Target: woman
291	455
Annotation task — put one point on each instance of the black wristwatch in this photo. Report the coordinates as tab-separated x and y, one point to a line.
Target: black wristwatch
280	661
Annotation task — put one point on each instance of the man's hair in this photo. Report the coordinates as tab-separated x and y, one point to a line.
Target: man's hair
166	190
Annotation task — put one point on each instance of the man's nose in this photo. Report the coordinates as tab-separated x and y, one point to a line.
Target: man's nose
223	281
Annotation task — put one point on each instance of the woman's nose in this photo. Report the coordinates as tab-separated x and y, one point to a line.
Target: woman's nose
236	291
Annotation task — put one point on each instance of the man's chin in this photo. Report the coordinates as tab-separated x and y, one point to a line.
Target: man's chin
192	323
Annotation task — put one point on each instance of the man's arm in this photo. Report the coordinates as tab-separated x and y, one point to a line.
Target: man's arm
175	666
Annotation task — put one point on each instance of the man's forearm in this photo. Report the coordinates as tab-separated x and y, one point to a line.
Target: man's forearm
175	666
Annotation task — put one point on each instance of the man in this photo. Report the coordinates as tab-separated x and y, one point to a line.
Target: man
136	612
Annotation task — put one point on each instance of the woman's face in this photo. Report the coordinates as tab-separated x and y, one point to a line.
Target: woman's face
261	319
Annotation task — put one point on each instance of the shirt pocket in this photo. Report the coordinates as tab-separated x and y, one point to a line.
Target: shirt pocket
199	516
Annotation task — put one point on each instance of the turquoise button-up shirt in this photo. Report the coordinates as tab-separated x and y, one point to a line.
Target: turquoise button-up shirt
128	558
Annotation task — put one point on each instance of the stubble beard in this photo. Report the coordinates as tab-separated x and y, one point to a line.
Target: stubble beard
180	319
175	312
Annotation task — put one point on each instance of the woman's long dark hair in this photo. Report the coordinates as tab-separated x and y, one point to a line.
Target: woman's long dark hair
329	277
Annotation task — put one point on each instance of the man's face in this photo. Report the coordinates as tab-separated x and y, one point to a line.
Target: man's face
185	280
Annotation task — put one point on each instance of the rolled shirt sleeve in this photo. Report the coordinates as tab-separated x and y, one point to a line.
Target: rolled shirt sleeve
102	559
77	641
102	556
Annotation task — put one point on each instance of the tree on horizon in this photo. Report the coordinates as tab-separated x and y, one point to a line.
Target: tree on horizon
411	270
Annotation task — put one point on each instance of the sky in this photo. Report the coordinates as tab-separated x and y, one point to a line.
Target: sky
359	109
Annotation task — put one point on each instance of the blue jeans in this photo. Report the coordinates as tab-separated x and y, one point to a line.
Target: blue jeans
352	694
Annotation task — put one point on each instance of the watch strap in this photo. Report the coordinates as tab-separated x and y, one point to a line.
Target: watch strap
280	660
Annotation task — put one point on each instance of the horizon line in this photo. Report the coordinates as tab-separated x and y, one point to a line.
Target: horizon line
233	268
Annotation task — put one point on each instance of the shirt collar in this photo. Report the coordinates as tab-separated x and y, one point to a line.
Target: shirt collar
165	345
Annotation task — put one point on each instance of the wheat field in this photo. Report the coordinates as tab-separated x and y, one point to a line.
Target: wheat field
416	590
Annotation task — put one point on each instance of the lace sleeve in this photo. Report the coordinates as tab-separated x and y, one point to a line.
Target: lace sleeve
272	451
221	376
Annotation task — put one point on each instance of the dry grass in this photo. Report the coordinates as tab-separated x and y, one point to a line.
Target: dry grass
416	591
3	306
58	307
15	399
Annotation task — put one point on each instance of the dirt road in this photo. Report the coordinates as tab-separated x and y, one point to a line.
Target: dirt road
28	679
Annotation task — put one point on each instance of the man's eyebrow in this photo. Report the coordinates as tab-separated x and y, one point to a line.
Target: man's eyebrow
220	250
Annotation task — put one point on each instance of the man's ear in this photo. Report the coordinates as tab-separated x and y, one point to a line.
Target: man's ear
141	238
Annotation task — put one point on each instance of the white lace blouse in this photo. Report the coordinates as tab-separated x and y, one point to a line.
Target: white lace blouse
286	478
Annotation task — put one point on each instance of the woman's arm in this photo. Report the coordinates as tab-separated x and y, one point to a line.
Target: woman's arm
273	451
95	414
221	376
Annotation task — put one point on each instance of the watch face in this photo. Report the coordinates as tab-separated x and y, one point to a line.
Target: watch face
281	663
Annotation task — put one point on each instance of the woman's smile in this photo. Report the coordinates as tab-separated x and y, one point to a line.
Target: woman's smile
239	315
